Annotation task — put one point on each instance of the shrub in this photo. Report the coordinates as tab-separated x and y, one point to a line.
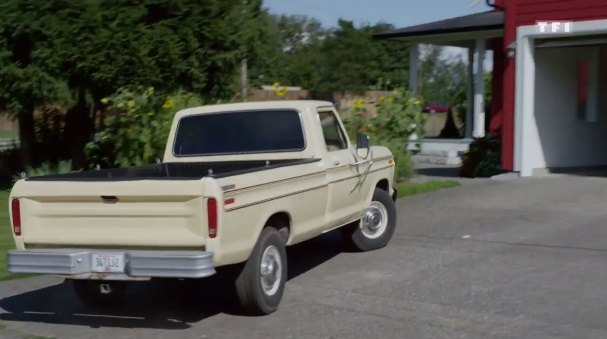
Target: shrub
399	119
46	168
483	159
10	163
137	127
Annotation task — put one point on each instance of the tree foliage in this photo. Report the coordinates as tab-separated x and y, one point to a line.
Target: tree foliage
398	120
60	58
74	53
441	78
301	52
137	127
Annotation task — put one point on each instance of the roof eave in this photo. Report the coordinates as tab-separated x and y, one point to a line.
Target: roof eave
404	36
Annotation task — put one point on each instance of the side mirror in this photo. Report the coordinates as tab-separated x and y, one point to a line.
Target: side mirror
362	142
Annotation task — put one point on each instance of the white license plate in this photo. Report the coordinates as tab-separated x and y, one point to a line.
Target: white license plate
107	262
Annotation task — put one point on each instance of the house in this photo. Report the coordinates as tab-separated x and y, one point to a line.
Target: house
549	78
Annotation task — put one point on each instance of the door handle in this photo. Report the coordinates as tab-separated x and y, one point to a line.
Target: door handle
336	162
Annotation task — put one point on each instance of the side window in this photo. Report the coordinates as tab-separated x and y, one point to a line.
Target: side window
334	136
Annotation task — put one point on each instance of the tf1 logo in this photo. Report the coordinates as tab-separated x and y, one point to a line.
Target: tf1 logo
554	26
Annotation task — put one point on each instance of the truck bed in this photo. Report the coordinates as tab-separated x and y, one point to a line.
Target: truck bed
174	171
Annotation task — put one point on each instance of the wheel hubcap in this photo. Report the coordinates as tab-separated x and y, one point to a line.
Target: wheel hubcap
374	220
270	270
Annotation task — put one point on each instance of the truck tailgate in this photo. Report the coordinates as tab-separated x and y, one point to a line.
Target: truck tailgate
139	213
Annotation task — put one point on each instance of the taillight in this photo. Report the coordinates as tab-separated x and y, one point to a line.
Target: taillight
16	213
212	217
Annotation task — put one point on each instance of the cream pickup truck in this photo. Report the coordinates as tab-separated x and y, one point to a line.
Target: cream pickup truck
238	183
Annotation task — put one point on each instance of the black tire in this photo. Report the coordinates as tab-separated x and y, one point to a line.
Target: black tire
89	292
360	238
250	291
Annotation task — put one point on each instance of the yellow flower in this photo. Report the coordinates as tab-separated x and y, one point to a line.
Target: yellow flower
168	103
281	92
105	101
359	103
276	84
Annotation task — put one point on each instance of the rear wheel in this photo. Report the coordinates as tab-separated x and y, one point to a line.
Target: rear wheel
375	229
260	285
99	292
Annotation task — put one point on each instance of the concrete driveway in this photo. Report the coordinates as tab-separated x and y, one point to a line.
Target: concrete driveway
519	259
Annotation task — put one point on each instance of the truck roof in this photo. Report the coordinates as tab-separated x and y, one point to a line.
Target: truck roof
300	105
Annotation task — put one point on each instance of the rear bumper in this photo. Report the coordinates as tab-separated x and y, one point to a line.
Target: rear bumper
77	263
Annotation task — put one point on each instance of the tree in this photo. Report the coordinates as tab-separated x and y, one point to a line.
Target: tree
74	53
27	76
442	78
346	58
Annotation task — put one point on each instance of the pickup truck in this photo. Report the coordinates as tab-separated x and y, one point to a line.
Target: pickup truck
237	185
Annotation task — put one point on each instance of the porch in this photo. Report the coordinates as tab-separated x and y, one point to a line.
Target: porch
478	34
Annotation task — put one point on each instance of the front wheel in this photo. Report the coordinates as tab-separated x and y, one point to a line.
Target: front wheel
260	285
376	227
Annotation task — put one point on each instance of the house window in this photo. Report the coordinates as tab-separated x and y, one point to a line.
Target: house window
587	85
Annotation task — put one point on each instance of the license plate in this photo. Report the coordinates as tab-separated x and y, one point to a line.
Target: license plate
107	262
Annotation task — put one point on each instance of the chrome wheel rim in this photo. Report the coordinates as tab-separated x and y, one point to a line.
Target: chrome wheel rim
270	270
374	221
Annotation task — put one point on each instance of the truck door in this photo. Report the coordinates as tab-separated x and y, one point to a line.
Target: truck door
344	203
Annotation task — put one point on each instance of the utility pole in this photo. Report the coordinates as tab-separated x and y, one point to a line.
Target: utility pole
244	67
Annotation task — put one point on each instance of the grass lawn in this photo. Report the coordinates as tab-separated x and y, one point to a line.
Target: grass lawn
6	238
8	134
411	188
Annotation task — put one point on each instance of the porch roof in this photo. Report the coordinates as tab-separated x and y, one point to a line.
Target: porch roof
478	22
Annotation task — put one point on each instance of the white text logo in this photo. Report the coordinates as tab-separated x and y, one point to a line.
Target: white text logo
554	26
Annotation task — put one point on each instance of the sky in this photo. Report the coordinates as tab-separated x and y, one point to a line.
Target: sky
400	13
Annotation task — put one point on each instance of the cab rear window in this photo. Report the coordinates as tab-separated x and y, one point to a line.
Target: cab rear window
240	132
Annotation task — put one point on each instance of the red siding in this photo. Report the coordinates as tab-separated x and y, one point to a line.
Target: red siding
530	11
508	88
497	83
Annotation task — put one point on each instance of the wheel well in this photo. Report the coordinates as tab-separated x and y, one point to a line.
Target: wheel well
282	222
384	185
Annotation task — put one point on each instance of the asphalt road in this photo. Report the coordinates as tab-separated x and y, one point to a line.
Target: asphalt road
519	259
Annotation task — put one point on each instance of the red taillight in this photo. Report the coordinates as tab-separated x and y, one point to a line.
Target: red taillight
16	213
212	217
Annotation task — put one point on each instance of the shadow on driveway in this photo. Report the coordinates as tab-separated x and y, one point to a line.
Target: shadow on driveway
157	304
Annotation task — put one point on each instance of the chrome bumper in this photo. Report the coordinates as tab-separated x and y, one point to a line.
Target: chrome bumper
77	263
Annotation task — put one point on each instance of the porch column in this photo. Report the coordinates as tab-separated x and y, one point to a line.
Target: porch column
479	89
413	63
469	93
